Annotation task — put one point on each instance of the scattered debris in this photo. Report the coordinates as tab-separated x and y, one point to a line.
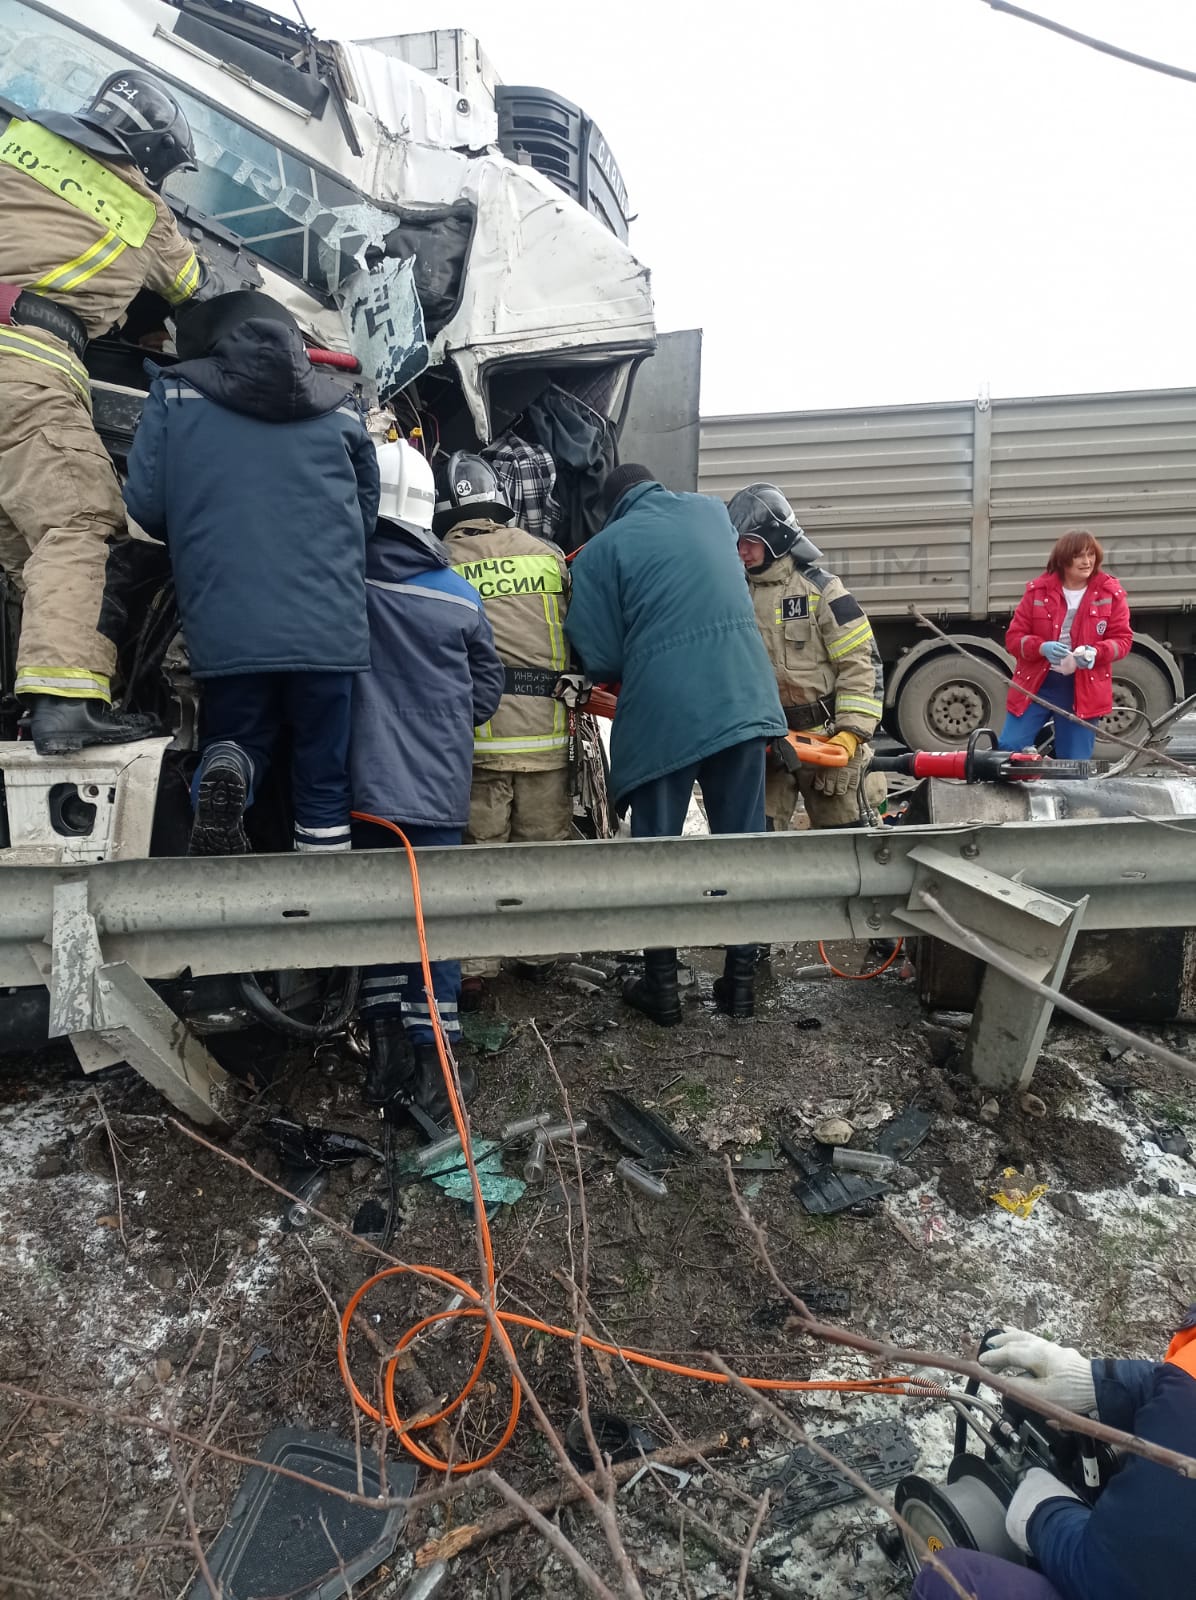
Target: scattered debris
1033	1105
822	1190
305	1146
428	1583
307	1189
370	1219
640	1178
643	1132
286	1537
905	1133
1017	1194
833	1130
990	1110
867	1161
449	1172
1172	1142
880	1452
614	1435
488	1034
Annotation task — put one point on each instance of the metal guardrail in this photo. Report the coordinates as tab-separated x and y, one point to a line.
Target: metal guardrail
163	916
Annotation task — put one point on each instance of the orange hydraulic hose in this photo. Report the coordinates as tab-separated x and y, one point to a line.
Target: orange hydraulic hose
475	1306
861	977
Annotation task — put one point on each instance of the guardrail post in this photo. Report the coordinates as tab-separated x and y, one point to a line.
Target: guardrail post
1035	931
103	1005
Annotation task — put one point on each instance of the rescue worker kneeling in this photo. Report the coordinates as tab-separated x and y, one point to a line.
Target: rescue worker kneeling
821	646
521	755
82	230
434	677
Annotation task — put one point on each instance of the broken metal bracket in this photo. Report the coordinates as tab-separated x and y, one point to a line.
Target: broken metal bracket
1033	930
110	1013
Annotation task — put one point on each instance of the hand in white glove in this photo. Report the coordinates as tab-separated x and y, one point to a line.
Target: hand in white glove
1035	1489
1053	650
1085	657
1056	1372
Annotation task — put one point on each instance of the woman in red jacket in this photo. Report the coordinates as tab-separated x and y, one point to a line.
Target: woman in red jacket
1070	626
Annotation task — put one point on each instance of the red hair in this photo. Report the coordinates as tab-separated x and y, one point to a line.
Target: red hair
1070	546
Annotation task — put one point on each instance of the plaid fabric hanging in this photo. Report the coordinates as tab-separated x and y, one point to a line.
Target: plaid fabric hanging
527	474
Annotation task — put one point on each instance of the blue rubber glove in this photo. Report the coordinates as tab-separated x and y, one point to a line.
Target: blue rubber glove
1053	650
1085	655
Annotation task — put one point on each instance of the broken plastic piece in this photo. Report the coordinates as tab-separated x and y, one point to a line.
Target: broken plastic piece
370	1218
305	1146
287	1537
615	1436
640	1178
822	1190
1171	1141
641	1131
881	1452
1013	1195
484	1033
904	1134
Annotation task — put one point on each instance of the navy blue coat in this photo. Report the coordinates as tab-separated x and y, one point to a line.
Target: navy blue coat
258	474
661	604
434	677
1137	1542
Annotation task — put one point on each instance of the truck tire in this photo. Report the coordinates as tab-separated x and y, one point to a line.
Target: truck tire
948	697
1141	692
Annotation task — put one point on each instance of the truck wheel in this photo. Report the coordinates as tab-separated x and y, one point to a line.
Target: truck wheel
948	697
1141	692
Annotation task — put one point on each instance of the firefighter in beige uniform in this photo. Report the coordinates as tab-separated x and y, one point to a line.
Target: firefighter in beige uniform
521	788
827	664
82	230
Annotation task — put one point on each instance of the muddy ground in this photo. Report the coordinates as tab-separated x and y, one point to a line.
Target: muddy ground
178	1297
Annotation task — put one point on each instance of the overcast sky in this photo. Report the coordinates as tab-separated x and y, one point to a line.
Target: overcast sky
868	201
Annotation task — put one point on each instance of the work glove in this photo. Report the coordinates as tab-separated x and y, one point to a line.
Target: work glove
1084	656
1035	1489
1057	1372
838	780
1053	650
572	689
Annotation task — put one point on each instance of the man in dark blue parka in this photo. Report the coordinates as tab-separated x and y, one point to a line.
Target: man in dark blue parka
660	605
1138	1542
257	472
434	677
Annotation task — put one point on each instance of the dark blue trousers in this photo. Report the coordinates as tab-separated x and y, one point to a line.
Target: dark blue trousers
396	989
987	1577
732	782
250	710
1074	741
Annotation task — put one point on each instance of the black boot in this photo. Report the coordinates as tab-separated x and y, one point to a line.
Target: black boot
655	994
60	726
221	797
390	1071
735	991
430	1093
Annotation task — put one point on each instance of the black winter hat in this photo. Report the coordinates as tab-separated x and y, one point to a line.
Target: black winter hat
200	327
622	478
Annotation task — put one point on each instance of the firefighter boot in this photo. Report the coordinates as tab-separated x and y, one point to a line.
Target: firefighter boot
735	991
655	994
221	795
59	726
390	1072
430	1093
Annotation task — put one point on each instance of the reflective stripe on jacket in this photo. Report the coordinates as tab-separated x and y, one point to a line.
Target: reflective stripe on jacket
1102	620
53	241
820	643
523	583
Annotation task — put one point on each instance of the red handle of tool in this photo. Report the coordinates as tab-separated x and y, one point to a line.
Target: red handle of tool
602	702
333	358
940	764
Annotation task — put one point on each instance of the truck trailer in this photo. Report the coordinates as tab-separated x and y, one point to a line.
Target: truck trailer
949	509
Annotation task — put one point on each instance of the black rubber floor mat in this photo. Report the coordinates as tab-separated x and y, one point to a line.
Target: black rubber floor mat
641	1131
286	1538
803	1483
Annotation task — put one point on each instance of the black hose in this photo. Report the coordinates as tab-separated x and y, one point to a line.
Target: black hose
290	1027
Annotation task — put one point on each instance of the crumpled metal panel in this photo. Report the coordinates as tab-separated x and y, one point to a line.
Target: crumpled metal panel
411	105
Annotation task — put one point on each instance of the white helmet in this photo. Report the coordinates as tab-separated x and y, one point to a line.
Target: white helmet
408	493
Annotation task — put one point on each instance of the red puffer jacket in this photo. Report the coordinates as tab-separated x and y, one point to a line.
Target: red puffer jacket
1103	620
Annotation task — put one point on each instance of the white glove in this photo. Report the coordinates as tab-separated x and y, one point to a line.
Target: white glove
1035	1489
1056	1372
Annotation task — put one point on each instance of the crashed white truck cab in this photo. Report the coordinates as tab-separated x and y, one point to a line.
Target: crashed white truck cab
373	199
461	247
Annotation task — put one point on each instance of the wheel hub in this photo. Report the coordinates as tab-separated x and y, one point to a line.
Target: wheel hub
1124	716
956	709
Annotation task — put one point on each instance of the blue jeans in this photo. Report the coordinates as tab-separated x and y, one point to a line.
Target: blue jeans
396	988
732	783
1074	741
987	1577
250	710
